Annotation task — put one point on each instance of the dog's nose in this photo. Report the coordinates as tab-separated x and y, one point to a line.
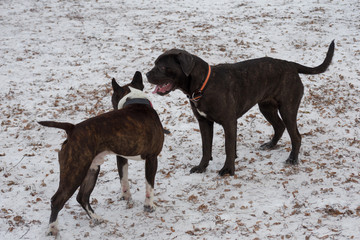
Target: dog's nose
147	74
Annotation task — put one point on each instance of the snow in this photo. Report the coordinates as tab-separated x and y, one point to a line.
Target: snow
57	61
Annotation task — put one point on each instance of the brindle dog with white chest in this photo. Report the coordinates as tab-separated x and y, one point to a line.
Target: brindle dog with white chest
225	92
134	131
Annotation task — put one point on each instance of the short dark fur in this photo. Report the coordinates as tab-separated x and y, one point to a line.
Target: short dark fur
232	90
134	130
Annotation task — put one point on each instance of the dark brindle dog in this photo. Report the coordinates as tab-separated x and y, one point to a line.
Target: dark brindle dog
132	132
224	92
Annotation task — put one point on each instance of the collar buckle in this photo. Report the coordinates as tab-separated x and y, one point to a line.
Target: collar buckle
196	96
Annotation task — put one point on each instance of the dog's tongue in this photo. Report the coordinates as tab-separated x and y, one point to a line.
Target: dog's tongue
156	90
162	88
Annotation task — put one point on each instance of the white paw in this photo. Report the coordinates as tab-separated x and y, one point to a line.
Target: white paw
53	229
125	196
95	221
130	204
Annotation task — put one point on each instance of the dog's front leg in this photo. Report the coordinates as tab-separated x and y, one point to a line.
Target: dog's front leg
207	132
123	165
230	129
150	172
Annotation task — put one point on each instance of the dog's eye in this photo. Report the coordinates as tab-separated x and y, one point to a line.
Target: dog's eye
162	69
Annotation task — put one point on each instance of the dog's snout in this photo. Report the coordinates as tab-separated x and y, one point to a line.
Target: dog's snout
150	76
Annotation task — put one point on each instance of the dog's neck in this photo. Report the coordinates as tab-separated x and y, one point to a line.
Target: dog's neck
135	96
196	79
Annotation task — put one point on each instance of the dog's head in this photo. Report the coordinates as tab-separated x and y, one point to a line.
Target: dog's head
170	71
132	90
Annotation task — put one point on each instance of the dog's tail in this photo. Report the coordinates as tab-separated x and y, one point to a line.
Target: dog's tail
68	127
322	67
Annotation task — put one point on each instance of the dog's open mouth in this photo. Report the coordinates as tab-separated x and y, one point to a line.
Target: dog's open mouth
163	89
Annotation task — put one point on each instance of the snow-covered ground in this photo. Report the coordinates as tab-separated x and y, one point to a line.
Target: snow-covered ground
56	62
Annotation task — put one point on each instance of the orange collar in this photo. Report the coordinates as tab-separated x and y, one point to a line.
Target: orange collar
199	93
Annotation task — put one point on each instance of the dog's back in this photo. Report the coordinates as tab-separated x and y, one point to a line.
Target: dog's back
137	125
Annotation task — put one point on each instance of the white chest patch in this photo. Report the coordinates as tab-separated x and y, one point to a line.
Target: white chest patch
134	93
201	113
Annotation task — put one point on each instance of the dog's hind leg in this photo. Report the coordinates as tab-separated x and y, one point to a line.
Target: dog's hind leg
85	191
270	111
57	203
291	126
123	165
65	191
73	170
150	172
288	111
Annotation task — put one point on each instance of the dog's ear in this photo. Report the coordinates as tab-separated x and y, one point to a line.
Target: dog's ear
187	62
137	81
117	94
115	86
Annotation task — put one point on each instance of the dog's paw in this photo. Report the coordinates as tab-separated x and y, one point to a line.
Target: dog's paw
97	221
267	146
53	230
130	203
52	233
198	169
125	196
227	171
149	209
292	161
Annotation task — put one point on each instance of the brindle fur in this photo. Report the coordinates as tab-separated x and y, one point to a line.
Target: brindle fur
132	131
